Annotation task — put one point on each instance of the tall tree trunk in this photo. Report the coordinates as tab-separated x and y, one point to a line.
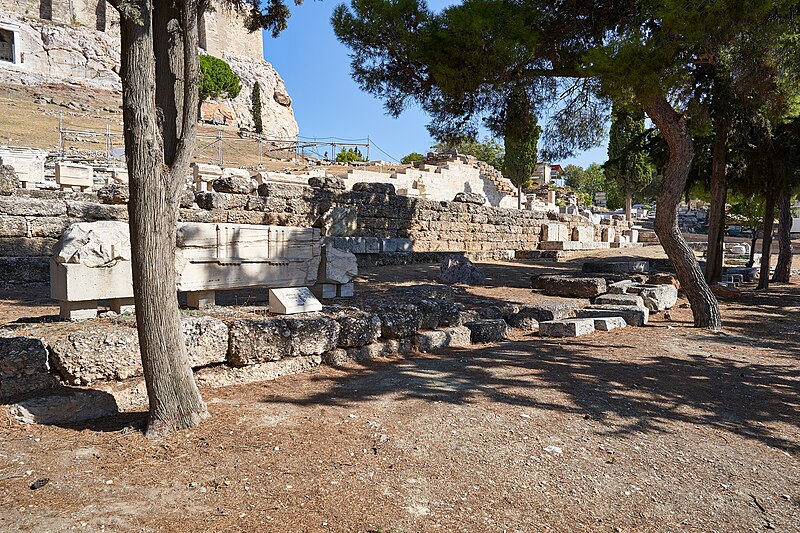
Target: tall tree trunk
783	269
159	138
628	205
719	195
752	260
766	241
519	196
672	126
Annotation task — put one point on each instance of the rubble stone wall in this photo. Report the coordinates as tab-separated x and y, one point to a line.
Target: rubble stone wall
31	222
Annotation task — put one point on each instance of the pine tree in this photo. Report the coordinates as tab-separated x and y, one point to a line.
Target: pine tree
258	125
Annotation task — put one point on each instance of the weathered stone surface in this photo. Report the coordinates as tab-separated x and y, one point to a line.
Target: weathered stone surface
656	297
570	327
337	357
375	188
724	292
206	340
455	337
258	341
620	287
32	207
287	191
383	348
222	375
187	199
663	278
459	269
524	321
357	328
89	211
428	291
470	198
609	323
399	321
95	244
9	182
567	286
52	227
327	182
220	200
68	406
634	316
337	266
24	367
619	299
114	194
25	269
504	311
233	184
312	334
97	353
13	226
550	309
22	247
616	267
488	330
340	221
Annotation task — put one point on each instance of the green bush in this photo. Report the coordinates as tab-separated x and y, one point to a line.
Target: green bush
217	80
413	157
348	155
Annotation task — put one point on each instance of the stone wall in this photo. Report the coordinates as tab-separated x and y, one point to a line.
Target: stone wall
32	221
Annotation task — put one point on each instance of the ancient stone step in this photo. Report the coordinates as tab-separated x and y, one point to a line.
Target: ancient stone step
616	267
570	327
488	330
455	337
619	299
568	286
609	323
634	316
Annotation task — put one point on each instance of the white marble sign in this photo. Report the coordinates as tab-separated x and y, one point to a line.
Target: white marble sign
293	300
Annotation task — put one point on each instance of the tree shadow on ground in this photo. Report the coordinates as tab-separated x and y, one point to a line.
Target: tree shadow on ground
649	395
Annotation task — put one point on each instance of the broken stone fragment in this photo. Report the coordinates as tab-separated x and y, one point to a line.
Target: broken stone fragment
94	244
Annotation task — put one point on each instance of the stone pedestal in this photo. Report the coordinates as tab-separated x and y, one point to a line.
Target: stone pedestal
75	311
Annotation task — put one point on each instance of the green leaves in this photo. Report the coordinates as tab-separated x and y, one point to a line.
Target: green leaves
217	80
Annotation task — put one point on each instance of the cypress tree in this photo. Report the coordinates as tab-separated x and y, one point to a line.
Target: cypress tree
627	159
255	98
520	139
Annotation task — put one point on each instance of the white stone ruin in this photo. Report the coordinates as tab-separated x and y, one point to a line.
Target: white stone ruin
203	175
28	164
92	262
70	175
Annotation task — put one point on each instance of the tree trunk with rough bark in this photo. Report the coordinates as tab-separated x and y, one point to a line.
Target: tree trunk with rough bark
673	127
519	196
766	241
716	216
783	268
753	241
628	206
159	66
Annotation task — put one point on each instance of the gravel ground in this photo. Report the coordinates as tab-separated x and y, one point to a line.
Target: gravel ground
662	428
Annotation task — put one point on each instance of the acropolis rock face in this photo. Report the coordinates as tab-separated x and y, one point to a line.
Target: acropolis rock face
78	43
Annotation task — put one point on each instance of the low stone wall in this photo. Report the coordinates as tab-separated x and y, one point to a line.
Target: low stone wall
31	221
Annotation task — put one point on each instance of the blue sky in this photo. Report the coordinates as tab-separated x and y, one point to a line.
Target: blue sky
328	103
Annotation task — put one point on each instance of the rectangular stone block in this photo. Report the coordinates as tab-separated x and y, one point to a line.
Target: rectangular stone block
324	291
229	256
555	232
609	323
619	299
201	299
75	282
293	300
570	327
583	234
74	175
569	287
607	234
634	316
75	311
455	337
345	290
28	164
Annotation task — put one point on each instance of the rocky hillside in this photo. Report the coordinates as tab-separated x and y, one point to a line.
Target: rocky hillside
55	53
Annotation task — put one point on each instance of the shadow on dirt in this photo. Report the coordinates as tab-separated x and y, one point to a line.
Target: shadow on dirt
722	394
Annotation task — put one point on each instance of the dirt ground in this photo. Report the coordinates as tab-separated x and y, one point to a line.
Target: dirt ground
662	428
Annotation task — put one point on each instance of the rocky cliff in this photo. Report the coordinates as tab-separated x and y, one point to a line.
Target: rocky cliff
58	53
